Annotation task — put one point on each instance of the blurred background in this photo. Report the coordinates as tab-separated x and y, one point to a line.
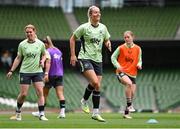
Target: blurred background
155	23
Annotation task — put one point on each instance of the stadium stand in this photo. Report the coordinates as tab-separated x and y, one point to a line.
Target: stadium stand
145	22
73	91
5	107
49	21
156	90
114	92
168	94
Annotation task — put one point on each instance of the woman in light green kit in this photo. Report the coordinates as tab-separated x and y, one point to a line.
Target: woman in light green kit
92	34
31	55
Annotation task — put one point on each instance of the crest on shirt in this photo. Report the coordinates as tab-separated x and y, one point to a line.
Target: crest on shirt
100	32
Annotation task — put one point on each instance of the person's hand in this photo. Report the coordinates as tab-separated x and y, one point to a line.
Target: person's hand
42	64
46	78
108	45
9	74
73	60
139	67
119	70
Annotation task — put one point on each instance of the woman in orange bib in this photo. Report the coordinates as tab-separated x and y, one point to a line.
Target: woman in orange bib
127	59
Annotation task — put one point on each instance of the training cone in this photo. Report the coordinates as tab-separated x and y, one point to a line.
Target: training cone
152	121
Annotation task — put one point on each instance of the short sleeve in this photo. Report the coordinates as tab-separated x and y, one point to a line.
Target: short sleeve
43	50
79	31
20	50
107	35
48	55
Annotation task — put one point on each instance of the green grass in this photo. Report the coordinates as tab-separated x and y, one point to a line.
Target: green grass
81	120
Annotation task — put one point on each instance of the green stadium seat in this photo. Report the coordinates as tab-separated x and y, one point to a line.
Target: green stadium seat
146	23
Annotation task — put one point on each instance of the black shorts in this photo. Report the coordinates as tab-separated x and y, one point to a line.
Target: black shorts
54	81
120	75
86	64
27	78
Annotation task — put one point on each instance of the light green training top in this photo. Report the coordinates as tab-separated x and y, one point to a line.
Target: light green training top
92	40
31	55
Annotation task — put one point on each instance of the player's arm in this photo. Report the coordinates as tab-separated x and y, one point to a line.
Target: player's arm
16	62
47	62
47	66
43	56
73	58
114	61
106	39
139	65
108	44
76	35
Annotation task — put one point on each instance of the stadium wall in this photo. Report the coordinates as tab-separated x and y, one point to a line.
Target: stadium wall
161	53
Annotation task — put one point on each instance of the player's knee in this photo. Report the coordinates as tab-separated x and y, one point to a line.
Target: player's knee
129	84
96	84
23	95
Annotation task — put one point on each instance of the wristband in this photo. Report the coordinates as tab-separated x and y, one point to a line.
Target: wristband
46	73
11	71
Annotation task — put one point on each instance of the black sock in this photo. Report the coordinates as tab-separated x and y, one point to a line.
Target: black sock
41	108
19	105
88	92
126	111
62	103
129	101
96	99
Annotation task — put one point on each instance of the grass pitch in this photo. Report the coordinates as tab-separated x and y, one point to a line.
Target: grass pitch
81	120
